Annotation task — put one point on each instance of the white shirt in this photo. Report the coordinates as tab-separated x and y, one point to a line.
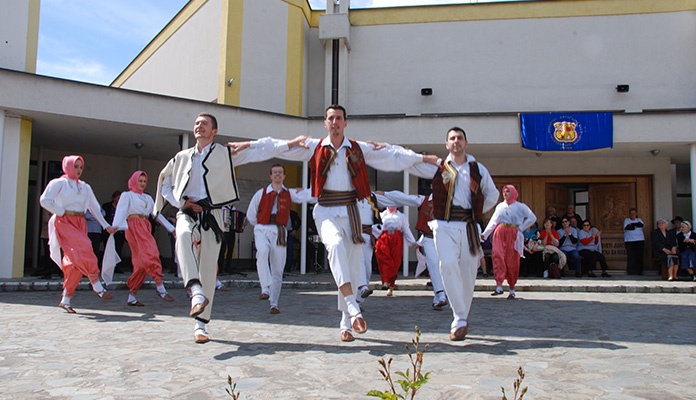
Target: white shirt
64	194
635	235
462	193
133	203
393	222
515	214
304	196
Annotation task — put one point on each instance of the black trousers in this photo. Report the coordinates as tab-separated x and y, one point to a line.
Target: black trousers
634	257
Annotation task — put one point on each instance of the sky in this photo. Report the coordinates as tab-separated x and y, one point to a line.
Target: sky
95	40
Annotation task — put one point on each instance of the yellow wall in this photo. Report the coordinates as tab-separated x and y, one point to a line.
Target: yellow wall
21	199
231	52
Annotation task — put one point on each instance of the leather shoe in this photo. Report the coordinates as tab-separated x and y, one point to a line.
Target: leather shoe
511	297
366	293
496	293
166	296
438	306
346	336
67	309
135	304
198	309
105	295
201	338
275	310
264	296
359	325
459	334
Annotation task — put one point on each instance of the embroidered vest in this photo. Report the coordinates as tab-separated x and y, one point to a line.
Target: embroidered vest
425	214
321	161
266	207
443	191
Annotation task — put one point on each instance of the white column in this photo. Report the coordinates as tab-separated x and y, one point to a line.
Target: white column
305	218
407	212
184	141
692	161
2	141
10	127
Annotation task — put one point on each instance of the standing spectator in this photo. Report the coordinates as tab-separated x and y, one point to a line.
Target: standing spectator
568	243
634	240
551	214
570	212
94	233
664	244
509	219
68	198
686	243
590	248
109	210
228	238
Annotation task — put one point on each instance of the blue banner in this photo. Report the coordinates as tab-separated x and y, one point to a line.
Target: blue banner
567	131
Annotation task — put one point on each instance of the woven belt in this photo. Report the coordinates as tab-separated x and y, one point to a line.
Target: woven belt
75	213
505	224
460	214
331	198
138	216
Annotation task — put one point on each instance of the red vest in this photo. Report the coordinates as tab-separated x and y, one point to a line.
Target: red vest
321	161
443	191
266	207
425	214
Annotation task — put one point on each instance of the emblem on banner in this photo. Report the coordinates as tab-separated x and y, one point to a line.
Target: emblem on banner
564	131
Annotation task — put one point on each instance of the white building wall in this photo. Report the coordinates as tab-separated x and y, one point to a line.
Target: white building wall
264	55
186	65
14	15
524	65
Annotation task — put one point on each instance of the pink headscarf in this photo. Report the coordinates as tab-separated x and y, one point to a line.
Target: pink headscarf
69	166
513	194
133	182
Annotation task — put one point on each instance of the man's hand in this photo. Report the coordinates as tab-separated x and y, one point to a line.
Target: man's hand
237	147
298	141
432	159
377	145
192	205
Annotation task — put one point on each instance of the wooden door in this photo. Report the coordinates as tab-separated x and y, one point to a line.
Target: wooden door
608	207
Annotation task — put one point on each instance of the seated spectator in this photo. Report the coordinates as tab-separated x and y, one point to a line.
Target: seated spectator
590	248
568	239
676	226
533	261
664	244
686	244
552	254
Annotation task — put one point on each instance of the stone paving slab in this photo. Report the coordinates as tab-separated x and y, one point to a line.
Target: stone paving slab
572	345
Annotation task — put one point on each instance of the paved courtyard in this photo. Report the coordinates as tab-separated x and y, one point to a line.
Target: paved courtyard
571	345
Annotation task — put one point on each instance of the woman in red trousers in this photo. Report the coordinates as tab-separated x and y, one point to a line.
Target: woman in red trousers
133	215
389	248
67	198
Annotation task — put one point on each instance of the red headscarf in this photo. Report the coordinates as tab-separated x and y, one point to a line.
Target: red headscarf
513	194
69	166
133	182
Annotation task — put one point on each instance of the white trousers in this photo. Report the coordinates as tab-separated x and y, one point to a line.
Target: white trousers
433	263
366	252
197	252
270	261
344	255
457	266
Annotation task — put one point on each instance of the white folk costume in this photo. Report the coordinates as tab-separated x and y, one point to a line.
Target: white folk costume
132	215
207	177
67	198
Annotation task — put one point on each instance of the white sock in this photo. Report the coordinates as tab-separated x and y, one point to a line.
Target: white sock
161	289
218	284
499	289
131	298
197	296
200	325
353	307
512	292
65	300
97	287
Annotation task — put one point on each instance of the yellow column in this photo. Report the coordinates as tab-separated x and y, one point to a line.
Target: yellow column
294	73
230	70
20	223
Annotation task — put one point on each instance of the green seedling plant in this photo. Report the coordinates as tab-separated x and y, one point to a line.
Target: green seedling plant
411	381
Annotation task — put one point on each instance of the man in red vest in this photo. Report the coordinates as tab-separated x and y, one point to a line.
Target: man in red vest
269	213
462	191
339	178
